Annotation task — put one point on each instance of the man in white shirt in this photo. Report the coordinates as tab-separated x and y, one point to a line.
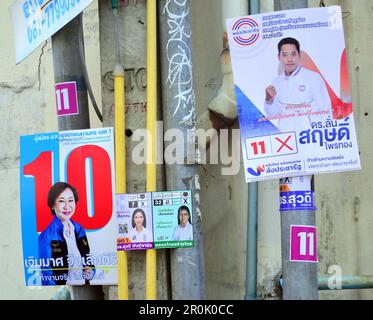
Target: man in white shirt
298	96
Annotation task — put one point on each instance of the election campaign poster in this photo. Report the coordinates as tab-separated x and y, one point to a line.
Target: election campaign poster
172	217
293	93
67	208
135	221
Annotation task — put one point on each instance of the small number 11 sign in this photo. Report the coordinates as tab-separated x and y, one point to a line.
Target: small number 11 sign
303	243
66	98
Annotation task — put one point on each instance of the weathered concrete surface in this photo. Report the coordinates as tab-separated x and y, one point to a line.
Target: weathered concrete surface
132	17
344	219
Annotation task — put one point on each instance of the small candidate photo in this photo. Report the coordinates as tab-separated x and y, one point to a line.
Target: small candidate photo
297	96
184	229
139	232
64	241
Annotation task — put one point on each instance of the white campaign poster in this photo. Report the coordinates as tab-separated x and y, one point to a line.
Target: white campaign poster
293	93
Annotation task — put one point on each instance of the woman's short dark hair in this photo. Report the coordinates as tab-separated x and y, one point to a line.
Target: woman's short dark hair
178	213
56	190
143	215
288	41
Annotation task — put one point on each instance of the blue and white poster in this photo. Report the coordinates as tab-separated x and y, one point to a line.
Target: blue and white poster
68	208
293	93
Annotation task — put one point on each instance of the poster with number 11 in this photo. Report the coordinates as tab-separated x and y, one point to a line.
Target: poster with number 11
67	208
293	93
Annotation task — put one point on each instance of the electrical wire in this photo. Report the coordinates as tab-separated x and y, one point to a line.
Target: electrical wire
84	68
116	34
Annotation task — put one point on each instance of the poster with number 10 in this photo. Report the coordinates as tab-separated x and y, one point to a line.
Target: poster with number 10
293	93
67	208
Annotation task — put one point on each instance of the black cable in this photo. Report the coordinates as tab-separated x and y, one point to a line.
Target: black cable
84	68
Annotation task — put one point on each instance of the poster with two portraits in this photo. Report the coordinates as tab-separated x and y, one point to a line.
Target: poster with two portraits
293	93
155	220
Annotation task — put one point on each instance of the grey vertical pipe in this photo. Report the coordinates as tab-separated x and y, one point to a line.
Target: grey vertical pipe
300	278
252	217
290	4
252	239
187	265
67	67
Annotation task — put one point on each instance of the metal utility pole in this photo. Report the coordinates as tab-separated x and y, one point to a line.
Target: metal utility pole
252	217
290	4
187	265
299	278
68	67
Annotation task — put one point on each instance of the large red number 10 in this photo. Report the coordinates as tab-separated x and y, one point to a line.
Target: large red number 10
100	192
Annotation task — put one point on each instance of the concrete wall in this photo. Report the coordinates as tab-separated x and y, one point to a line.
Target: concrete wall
223	197
25	109
27	106
344	222
344	200
132	17
345	225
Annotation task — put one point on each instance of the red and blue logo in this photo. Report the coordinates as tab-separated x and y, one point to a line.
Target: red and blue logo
245	31
258	172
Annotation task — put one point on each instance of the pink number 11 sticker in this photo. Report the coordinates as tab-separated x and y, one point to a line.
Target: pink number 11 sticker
303	244
66	98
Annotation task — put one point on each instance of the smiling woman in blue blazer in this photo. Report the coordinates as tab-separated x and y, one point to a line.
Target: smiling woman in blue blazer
64	242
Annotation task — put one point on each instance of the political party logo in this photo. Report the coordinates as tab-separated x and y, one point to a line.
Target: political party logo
302	88
259	170
245	31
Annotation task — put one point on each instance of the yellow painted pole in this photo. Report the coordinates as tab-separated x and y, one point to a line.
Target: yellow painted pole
151	117
120	147
120	168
